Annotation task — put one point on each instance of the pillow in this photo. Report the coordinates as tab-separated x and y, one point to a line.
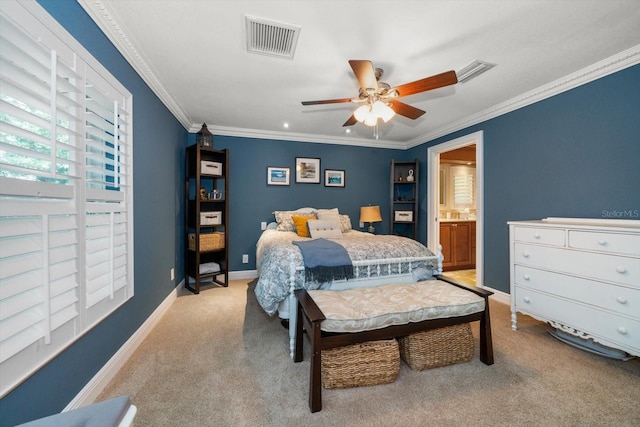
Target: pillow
283	218
300	222
324	228
329	214
421	273
345	223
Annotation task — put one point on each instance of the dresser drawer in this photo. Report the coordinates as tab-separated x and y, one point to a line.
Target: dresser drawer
544	236
626	244
607	328
604	267
615	298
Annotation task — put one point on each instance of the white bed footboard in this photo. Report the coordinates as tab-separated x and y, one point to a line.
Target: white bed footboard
379	272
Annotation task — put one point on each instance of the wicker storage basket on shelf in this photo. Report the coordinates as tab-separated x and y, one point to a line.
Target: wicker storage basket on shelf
358	365
208	241
437	347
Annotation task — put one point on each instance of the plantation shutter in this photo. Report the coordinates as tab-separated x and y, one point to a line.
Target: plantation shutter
107	180
66	258
463	185
463	189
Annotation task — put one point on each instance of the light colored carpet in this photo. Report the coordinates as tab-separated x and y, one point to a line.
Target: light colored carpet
216	359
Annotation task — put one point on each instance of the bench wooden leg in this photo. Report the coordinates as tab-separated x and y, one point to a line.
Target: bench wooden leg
315	371
486	341
315	380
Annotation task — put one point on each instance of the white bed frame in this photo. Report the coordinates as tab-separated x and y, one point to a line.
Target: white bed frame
287	308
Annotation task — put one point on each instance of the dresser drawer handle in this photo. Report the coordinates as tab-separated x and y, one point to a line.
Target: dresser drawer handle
525	254
621	269
602	242
622	330
621	300
536	236
526	277
526	299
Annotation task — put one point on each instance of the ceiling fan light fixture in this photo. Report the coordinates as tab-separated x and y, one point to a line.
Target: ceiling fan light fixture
371	120
362	112
382	110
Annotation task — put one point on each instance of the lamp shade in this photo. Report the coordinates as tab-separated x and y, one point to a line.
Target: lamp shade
383	111
362	112
370	214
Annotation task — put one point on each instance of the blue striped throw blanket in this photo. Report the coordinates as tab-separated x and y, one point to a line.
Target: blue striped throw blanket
325	260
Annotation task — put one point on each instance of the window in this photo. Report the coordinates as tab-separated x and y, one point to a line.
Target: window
66	173
463	188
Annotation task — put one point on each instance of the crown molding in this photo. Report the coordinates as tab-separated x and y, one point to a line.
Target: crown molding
107	22
301	137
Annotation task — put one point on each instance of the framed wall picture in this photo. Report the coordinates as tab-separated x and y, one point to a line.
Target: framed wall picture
334	178
307	170
277	175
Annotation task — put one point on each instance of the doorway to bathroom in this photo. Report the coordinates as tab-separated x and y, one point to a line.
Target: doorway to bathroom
455	206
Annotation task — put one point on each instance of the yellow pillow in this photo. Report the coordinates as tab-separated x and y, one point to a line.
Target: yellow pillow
300	221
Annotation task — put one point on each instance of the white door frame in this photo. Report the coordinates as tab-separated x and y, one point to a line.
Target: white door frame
433	202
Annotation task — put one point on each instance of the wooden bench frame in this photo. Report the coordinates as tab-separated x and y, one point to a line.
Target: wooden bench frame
310	317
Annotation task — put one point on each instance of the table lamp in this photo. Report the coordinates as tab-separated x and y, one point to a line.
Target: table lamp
370	214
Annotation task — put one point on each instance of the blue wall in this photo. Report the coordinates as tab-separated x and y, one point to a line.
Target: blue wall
251	200
159	142
575	154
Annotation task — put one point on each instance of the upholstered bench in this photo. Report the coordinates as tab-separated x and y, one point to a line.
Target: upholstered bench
341	318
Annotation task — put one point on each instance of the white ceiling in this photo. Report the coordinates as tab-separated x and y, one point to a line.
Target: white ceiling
193	54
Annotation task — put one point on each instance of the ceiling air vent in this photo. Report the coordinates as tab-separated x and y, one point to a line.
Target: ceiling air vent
474	69
271	38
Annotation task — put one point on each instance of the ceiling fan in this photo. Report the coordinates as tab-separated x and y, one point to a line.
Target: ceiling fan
379	100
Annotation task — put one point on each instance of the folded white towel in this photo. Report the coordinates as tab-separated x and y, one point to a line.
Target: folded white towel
209	267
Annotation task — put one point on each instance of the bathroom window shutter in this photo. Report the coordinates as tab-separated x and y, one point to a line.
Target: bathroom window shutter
66	229
463	189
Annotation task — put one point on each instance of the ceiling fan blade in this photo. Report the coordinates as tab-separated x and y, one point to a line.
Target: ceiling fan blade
434	82
327	101
352	121
406	109
365	74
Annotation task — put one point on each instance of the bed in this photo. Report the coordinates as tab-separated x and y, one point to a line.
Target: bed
376	259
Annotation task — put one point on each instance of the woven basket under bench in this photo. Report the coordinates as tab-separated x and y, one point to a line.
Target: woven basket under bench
359	365
437	347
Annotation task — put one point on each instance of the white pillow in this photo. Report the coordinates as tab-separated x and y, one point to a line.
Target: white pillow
319	228
329	214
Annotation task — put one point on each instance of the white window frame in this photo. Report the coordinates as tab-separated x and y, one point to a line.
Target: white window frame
66	244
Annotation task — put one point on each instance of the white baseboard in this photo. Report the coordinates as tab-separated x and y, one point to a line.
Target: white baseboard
499	296
243	274
90	392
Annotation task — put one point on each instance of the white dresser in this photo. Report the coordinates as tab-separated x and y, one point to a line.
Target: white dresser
582	276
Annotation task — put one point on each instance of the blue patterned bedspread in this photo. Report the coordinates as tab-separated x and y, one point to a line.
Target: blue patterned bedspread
274	249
